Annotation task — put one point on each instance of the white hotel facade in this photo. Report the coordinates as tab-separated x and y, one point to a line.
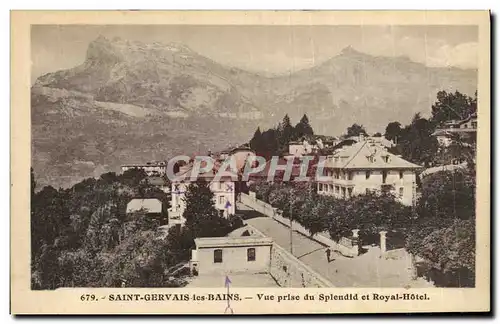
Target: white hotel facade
366	167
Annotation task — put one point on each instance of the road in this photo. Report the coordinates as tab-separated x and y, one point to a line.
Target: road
367	270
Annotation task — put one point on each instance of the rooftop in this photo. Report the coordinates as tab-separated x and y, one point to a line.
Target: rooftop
450	131
155	181
149	205
367	155
208	242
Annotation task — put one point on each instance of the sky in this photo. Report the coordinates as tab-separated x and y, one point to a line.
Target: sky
268	49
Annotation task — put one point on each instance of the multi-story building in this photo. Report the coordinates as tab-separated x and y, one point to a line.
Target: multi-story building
222	187
365	167
151	168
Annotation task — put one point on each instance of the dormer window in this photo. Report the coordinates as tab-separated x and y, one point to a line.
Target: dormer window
385	158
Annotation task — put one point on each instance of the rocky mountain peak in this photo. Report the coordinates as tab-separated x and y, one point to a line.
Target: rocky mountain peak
349	50
103	50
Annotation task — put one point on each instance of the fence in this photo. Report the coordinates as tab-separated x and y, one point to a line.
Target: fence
323	238
288	271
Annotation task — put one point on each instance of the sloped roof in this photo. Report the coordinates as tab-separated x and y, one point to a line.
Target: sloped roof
187	174
155	181
296	167
149	205
451	131
366	155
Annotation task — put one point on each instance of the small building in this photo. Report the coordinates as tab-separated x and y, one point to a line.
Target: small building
151	168
300	148
324	141
366	167
225	255
157	182
465	129
148	206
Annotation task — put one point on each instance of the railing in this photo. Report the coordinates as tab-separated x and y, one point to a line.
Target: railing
323	238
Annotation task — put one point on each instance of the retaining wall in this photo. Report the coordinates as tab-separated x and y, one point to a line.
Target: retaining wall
324	238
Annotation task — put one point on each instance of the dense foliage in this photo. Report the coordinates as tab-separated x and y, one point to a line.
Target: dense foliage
202	218
355	130
440	229
82	236
444	233
274	141
415	142
319	213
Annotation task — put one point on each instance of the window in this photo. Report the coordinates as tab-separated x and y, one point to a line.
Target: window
400	174
474	124
221	200
367	191
320	187
401	192
251	254
384	176
368	173
349	175
218	256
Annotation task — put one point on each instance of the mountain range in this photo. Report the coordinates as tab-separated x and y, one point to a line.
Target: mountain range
131	102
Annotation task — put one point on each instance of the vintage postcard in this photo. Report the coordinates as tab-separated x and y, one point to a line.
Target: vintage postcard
261	162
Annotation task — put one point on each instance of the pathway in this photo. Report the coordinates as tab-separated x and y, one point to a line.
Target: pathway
367	270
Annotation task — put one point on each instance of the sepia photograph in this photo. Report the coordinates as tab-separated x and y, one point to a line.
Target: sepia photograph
231	156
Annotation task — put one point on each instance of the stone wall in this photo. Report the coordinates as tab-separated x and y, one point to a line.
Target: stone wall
323	238
288	271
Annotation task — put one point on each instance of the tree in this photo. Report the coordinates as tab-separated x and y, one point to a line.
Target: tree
377	134
201	215
416	141
256	142
33	183
355	130
133	177
286	131
303	128
393	131
444	232
270	142
453	106
448	195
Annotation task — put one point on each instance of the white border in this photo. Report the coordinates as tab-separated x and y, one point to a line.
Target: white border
185	4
